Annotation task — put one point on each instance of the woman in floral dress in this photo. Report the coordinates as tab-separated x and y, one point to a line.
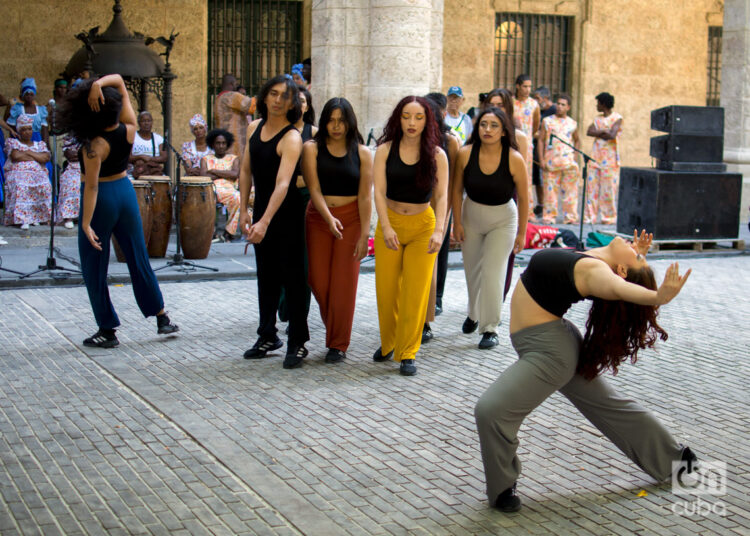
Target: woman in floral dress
28	187
69	195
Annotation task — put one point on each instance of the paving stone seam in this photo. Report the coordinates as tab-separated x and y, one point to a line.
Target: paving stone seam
135	395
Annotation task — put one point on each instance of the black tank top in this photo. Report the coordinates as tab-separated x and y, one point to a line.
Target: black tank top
550	281
119	152
494	189
401	180
338	175
265	164
307	135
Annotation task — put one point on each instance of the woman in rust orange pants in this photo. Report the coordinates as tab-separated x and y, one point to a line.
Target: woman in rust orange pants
337	169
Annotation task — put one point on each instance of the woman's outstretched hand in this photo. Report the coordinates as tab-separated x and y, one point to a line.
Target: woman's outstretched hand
642	243
672	284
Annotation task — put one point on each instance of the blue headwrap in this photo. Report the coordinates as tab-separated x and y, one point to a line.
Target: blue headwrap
297	69
28	84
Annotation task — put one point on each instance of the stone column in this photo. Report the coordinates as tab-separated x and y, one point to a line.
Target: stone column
735	92
374	52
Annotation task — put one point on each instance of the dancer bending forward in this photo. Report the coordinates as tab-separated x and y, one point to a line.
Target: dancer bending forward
554	357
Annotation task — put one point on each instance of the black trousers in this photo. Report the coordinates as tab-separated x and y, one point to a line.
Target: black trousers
442	263
280	261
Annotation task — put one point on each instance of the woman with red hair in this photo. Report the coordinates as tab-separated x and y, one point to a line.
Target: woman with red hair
552	356
410	168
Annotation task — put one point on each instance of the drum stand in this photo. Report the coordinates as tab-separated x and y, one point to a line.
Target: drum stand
51	264
178	259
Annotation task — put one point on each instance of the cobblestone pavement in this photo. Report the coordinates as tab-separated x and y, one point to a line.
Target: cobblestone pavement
181	435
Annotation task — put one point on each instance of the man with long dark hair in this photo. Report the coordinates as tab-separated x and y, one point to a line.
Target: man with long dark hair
277	231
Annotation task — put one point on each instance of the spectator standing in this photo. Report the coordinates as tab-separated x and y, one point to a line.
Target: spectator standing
527	118
559	163
459	122
232	110
547	108
604	174
69	194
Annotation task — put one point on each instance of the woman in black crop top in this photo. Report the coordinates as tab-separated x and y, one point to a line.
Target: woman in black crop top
489	169
338	172
409	170
98	113
554	357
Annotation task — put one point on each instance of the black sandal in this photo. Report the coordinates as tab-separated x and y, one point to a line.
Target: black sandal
102	339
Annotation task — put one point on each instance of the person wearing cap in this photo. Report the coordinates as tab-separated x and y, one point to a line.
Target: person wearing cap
28	106
193	151
28	188
459	122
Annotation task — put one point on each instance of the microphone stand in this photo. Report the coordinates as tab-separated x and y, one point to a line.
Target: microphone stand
586	159
51	264
178	259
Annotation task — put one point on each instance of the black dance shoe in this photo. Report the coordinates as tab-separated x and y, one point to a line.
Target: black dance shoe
334	355
294	356
407	368
378	355
262	347
508	501
427	334
104	338
164	325
470	326
489	340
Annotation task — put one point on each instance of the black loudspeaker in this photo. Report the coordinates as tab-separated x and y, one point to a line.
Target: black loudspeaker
679	148
689	120
703	167
675	205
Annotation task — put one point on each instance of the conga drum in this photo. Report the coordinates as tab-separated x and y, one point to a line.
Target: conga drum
143	195
161	214
197	216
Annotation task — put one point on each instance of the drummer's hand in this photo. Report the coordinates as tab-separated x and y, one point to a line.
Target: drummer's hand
257	232
91	235
96	97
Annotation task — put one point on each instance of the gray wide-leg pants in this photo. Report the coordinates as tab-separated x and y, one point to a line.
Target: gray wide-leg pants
548	356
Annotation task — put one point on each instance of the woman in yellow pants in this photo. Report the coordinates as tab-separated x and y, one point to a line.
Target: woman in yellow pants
410	168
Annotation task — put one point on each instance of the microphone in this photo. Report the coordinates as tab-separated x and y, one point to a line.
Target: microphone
51	103
551	137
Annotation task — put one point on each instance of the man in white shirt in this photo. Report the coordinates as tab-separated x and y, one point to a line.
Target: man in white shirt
459	122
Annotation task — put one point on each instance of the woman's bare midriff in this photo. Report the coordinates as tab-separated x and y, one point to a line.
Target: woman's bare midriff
339	200
406	209
113	177
525	312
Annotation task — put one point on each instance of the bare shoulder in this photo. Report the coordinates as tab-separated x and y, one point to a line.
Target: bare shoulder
364	152
252	126
310	147
516	157
440	154
382	150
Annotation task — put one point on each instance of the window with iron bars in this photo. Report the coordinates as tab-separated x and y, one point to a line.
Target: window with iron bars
252	39
537	45
713	91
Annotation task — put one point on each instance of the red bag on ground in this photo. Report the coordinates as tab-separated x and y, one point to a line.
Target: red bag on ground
539	236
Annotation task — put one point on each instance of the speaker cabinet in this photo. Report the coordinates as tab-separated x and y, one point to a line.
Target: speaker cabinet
678	205
679	148
689	120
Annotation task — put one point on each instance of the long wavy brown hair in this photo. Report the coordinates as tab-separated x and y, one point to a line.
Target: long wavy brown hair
616	329
428	143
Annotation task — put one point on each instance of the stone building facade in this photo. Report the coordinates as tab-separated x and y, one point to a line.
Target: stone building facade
646	52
